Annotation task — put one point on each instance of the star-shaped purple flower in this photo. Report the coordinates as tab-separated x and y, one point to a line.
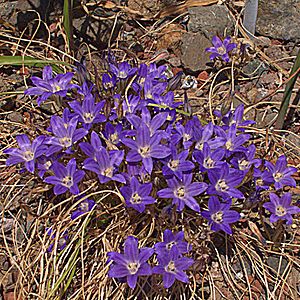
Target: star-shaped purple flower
62	241
281	208
65	177
137	194
282	173
183	192
88	111
66	135
145	147
132	263
219	215
221	48
172	266
172	240
224	181
49	85
83	207
27	152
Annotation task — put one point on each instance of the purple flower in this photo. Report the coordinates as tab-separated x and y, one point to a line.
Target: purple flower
49	86
137	195
83	207
209	160
177	164
236	117
66	135
62	241
123	70
233	142
27	152
145	147
219	215
281	208
221	48
183	191
281	173
65	178
244	160
105	164
172	266
88	112
90	149
132	263
223	182
109	81
263	179
172	241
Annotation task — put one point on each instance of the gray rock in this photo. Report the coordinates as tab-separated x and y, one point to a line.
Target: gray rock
210	20
193	52
279	19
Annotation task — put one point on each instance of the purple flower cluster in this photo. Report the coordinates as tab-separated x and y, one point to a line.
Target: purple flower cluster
133	262
135	140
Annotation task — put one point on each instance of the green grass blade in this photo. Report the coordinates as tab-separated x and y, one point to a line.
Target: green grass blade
288	93
68	20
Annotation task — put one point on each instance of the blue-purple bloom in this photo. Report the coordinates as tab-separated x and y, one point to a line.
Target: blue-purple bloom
132	263
88	111
219	215
49	85
66	135
27	152
62	241
221	48
105	165
137	194
281	173
65	177
123	70
281	208
83	207
172	240
224	181
145	147
183	192
172	266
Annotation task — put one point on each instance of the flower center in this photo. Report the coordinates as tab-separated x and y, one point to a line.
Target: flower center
148	95
221	186
66	142
171	268
144	151
217	217
108	172
28	155
229	145
135	198
173	164
61	243
221	50
180	192
170	245
114	137
122	74
88	117
280	211
133	267
208	163
243	164
67	181
56	88
84	206
186	137
259	182
278	176
199	146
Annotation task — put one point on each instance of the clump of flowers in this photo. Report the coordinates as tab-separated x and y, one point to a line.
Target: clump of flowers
136	140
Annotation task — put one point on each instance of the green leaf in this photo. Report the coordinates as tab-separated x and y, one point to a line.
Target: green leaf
31	61
288	93
68	20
